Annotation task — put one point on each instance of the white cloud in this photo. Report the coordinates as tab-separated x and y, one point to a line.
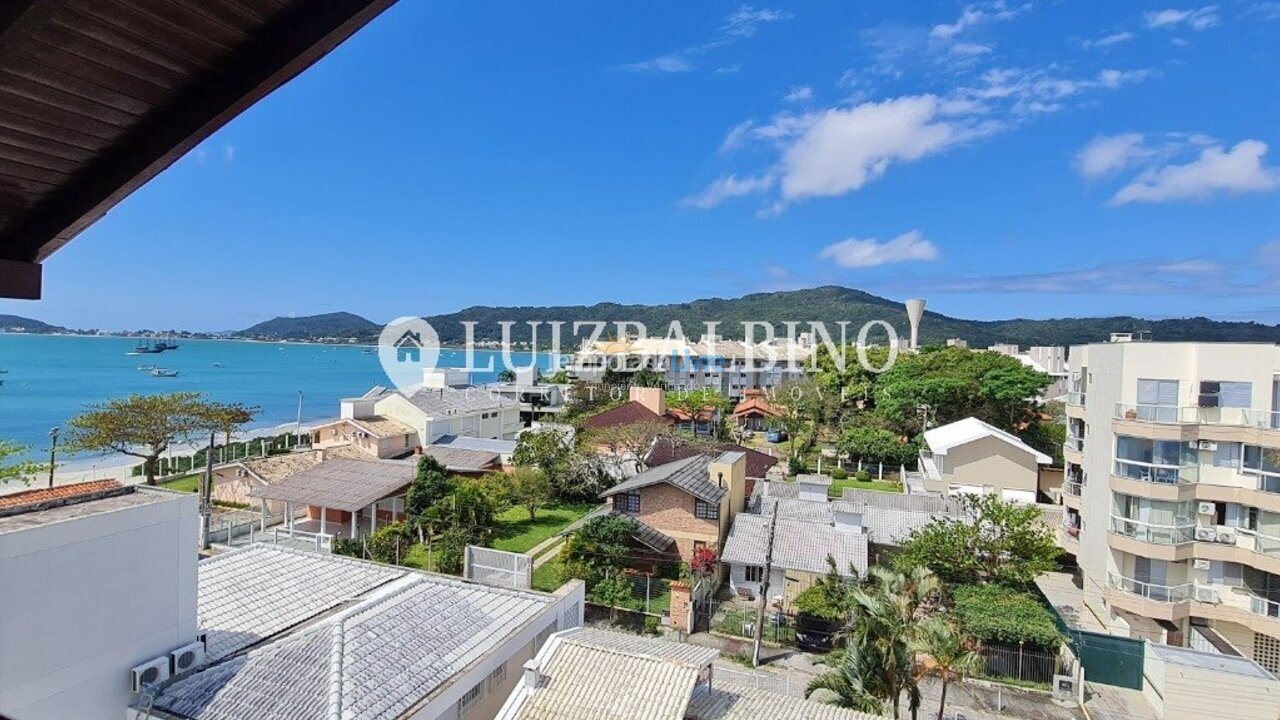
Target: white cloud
1107	41
740	24
910	246
726	187
1215	171
736	136
842	149
1173	19
970	49
799	93
1106	154
229	152
977	14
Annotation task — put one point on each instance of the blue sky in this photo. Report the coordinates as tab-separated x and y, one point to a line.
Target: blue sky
1037	159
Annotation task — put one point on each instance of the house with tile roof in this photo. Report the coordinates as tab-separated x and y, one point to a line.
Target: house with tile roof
669	449
755	412
343	497
685	505
589	674
294	635
644	405
378	436
444	403
800	548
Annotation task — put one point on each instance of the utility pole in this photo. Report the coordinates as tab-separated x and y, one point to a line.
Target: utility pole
297	430
53	452
206	499
764	590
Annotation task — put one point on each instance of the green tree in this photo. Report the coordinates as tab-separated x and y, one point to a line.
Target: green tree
431	484
389	543
452	546
994	541
886	614
698	403
831	597
471	505
875	445
142	426
529	487
548	450
944	653
598	547
20	470
995	613
507	376
613	591
228	418
854	680
648	377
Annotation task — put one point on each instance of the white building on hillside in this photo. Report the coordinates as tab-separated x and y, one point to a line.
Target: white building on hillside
444	404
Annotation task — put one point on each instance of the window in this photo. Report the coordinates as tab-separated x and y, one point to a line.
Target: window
753	573
470	700
627	502
705	510
496	677
1158	400
1234	395
1226	573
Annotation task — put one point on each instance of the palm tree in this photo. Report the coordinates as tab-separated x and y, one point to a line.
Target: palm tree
886	616
854	680
947	655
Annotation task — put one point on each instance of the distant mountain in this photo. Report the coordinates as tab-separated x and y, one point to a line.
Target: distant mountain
313	327
17	323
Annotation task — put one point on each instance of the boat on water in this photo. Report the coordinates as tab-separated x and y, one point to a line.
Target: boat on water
161	372
147	367
218	365
166	345
146	348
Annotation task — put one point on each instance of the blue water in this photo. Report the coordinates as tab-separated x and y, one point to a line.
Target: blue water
52	378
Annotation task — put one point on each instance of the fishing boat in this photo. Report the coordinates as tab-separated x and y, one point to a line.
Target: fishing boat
166	345
218	365
161	372
147	368
146	348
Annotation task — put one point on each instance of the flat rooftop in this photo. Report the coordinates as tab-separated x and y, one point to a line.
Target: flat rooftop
31	509
1217	662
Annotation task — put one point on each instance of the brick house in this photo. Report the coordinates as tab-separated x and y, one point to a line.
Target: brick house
685	505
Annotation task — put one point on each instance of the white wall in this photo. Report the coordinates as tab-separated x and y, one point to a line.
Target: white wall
82	601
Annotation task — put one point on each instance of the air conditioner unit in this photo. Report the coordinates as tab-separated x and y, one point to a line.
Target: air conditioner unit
1206	508
1207	595
1200	564
187	658
1205	534
1226	538
149	673
1206	445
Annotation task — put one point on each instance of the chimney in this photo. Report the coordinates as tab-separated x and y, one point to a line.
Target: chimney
532	674
915	311
652	398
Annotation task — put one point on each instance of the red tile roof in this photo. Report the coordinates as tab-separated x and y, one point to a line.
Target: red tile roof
757	404
625	414
60	492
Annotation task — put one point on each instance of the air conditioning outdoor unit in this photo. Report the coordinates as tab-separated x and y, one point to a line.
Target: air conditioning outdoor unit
1200	564
1206	445
1207	595
1205	534
1227	538
187	658
1206	508
149	673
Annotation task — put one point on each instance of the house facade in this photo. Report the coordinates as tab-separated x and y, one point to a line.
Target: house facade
444	404
974	457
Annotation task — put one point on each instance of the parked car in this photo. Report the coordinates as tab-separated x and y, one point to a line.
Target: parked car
776	436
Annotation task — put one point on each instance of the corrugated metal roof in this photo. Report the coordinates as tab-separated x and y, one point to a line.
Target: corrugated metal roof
461	460
341	483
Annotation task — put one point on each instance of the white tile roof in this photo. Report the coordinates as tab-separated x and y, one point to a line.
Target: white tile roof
443	402
726	701
962	432
797	544
383	652
601	675
341	483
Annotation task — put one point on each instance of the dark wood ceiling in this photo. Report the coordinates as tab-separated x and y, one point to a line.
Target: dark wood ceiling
99	96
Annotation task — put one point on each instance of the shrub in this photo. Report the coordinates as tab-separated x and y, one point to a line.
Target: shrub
862	476
453	543
795	465
652	625
348	547
994	613
839	473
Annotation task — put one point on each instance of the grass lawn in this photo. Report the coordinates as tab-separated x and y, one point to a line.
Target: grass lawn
547	577
515	532
187	483
838	486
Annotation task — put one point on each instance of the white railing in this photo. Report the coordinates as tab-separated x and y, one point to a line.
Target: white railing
1074	443
1072	487
1262	606
1154	533
1076	397
1266	482
1195	415
323	541
1152	591
1162	473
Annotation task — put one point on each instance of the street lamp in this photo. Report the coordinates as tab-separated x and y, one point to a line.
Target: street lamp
53	451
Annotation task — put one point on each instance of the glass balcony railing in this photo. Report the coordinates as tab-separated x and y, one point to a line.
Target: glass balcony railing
1076	398
1154	533
1162	473
1072	487
1193	415
1152	591
1259	605
1074	443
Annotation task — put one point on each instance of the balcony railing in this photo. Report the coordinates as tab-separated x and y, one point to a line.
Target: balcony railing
1154	533
1162	473
1074	443
1071	487
1152	591
1075	397
1194	415
1266	482
1261	606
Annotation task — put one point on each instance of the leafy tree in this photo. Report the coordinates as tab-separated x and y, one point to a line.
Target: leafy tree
471	505
876	445
507	376
389	543
453	544
529	487
1047	437
548	450
582	480
648	377
599	546
699	402
16	470
631	439
945	654
807	407
228	417
994	613
995	541
831	597
559	377
431	484
613	591
142	426
885	618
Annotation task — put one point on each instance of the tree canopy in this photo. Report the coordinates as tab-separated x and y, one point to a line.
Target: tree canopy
993	613
15	470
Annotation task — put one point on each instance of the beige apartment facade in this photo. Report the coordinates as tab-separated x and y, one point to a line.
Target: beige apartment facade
1172	489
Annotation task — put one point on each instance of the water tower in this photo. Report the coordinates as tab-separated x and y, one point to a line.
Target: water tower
915	311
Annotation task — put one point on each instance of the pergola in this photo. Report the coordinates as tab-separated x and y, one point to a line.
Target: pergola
99	96
350	487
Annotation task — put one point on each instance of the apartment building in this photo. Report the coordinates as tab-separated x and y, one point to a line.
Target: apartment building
1172	491
445	403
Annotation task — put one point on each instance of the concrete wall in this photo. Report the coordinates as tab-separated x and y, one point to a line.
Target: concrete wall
84	600
1182	692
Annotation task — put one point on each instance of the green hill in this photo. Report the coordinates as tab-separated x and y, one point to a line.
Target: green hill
17	323
310	327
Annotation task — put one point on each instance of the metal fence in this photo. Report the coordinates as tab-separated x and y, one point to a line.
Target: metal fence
1029	665
498	568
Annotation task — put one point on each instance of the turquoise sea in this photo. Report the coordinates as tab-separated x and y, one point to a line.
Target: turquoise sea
52	378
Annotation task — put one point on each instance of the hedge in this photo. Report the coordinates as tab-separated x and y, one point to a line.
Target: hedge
994	613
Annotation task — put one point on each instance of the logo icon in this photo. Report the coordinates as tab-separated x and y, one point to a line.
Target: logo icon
407	347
